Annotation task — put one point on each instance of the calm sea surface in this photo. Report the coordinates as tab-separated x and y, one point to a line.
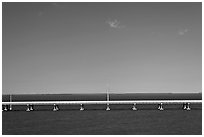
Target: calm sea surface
121	120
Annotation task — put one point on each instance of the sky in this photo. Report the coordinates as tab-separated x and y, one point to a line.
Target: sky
89	47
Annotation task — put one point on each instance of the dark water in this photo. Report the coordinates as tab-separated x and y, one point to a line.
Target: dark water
121	120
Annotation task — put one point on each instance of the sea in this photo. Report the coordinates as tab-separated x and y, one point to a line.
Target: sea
95	120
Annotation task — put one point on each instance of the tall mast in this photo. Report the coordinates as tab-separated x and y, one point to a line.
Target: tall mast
107	95
10	97
108	98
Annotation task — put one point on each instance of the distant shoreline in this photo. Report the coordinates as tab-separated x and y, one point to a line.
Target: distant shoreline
101	96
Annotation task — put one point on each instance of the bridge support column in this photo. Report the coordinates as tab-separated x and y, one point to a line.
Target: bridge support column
188	106
5	108
184	106
28	108
134	107
82	107
160	107
56	108
107	107
31	107
10	107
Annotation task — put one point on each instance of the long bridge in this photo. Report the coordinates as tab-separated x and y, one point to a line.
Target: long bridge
30	104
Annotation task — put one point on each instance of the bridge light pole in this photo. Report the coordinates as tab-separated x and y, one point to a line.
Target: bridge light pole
10	106
108	98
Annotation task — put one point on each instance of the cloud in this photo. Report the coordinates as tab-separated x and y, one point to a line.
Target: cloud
183	32
115	24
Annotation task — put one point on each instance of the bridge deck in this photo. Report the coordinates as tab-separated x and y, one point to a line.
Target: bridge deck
103	102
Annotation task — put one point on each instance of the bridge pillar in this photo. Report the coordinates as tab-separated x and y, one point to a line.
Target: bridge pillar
55	108
184	106
10	107
31	107
107	107
134	107
28	108
82	107
160	107
188	106
5	108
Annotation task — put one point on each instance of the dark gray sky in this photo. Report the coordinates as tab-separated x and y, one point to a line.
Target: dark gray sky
82	47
